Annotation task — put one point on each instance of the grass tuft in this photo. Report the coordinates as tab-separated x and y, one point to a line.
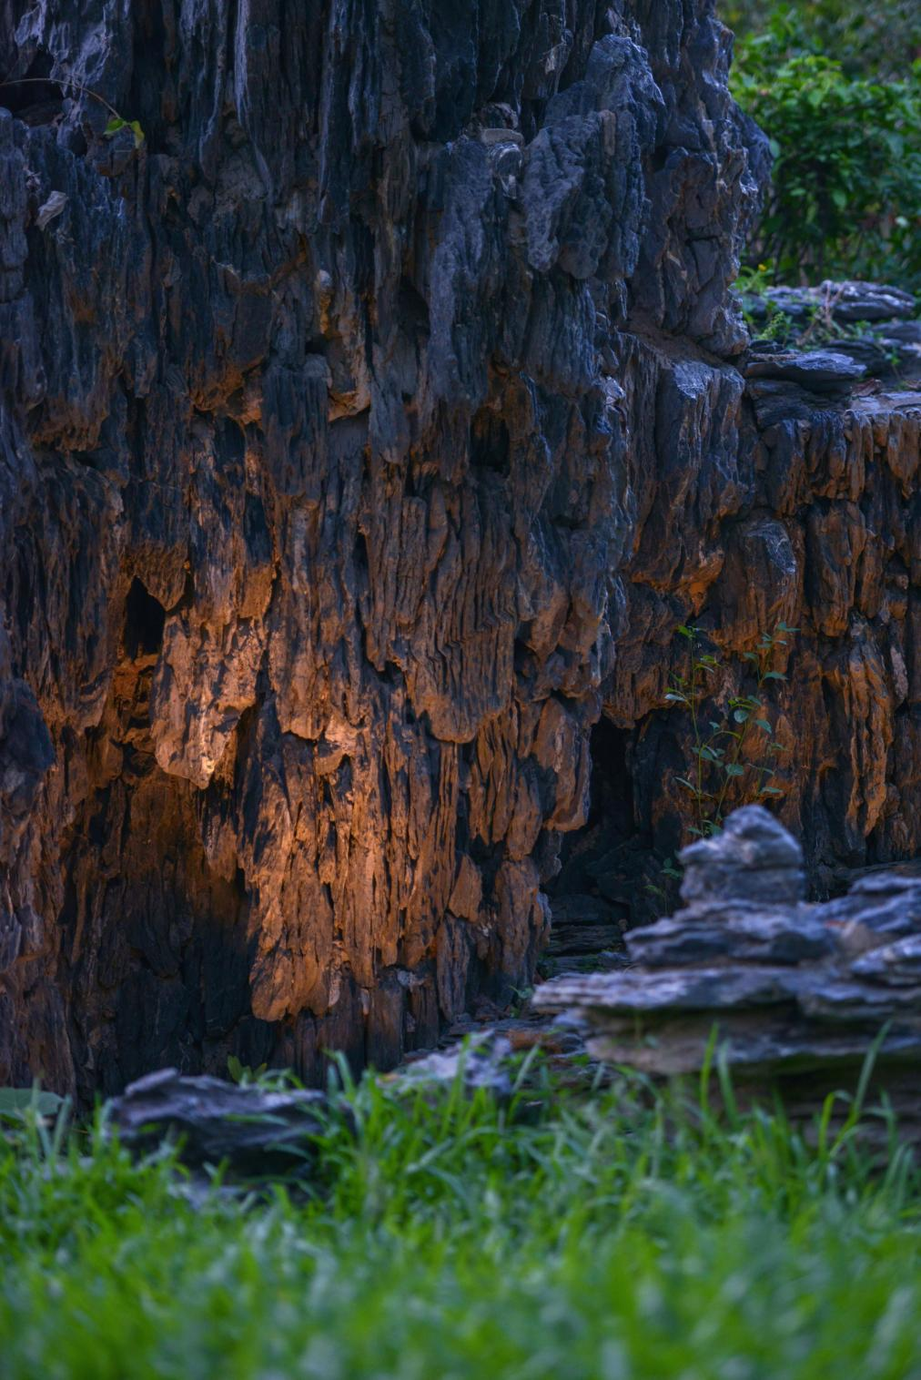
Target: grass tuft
624	1234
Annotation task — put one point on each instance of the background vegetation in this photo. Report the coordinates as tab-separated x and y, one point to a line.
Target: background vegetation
836	85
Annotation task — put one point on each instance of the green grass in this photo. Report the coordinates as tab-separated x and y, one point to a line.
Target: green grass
605	1236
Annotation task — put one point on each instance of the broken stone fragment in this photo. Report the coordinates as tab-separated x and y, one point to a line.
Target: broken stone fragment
480	1061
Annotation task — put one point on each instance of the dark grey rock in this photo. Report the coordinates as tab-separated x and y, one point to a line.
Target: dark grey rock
819	371
479	1061
732	931
886	904
254	1131
859	301
901	332
845	302
870	353
896	964
753	859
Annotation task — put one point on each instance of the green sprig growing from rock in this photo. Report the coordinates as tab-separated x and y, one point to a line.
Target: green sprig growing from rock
732	756
117	122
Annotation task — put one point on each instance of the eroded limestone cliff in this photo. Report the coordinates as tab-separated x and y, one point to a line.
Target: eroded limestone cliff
365	434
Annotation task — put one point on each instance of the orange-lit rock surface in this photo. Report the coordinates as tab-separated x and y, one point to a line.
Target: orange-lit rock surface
364	435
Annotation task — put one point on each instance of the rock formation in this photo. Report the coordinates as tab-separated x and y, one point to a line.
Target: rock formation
797	994
365	431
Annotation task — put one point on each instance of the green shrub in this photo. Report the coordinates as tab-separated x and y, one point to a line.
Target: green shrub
869	40
845	199
836	89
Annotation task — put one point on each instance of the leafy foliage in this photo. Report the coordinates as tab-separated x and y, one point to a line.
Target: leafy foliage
870	38
846	137
733	755
624	1234
846	194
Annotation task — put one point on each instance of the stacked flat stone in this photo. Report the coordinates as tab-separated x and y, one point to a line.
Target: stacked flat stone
798	993
885	338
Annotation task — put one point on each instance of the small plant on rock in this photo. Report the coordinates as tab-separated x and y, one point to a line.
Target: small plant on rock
732	756
116	122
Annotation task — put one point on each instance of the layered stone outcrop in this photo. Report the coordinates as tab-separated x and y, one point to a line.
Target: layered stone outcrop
801	1000
365	433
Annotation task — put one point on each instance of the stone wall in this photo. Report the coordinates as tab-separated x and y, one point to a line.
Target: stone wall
365	433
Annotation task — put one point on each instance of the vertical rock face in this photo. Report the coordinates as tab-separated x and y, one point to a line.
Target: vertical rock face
365	432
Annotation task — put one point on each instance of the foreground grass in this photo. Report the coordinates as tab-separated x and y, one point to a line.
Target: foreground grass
609	1237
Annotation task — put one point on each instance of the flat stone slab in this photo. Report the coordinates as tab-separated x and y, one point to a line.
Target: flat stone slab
819	371
253	1130
845	302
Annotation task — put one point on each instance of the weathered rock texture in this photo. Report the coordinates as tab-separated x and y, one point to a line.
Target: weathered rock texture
252	1130
365	434
800	996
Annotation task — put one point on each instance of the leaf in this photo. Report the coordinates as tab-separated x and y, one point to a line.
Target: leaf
774	675
13	1100
770	790
117	123
733	769
740	716
235	1068
763	724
